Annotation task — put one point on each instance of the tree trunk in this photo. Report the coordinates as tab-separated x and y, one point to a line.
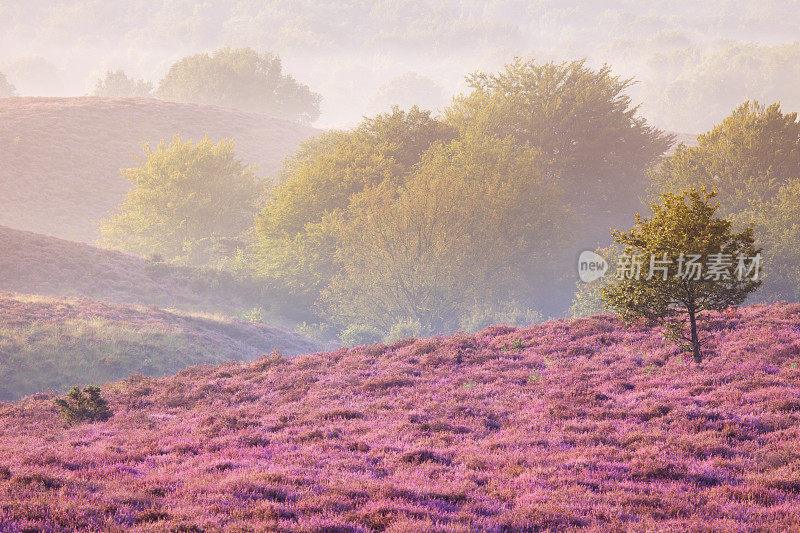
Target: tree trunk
698	356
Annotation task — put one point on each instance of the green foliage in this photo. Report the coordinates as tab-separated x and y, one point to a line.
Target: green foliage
359	334
443	223
579	118
753	159
508	313
588	299
298	230
6	89
682	225
460	231
747	158
240	78
189	203
403	330
86	406
776	222
117	84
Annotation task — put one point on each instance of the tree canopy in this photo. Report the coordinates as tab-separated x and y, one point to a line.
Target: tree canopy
117	84
243	79
474	216
753	159
187	198
581	119
448	222
748	157
297	228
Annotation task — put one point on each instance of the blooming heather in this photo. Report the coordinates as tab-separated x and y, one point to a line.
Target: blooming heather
563	425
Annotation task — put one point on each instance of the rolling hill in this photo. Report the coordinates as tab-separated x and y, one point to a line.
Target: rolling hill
37	264
48	343
560	426
60	157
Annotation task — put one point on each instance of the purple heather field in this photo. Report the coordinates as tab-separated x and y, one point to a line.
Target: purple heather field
582	424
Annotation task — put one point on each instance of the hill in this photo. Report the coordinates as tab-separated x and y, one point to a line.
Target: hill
557	426
59	169
36	264
48	343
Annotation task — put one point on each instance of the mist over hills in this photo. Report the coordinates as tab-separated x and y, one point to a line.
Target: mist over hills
60	169
695	61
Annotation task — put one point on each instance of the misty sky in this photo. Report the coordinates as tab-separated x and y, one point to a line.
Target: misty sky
695	61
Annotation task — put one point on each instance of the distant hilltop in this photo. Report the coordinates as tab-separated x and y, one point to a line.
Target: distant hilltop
61	157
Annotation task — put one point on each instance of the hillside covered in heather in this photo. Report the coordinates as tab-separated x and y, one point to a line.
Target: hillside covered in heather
565	425
61	157
56	343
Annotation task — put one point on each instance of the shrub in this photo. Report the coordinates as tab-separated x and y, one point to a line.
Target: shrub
403	330
254	315
507	313
358	334
84	406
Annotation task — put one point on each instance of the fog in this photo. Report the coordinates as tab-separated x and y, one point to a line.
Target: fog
694	62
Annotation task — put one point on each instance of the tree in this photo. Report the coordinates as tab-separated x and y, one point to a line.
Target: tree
747	158
676	292
186	200
752	159
776	222
581	119
475	215
6	89
243	79
298	229
82	406
594	143
116	84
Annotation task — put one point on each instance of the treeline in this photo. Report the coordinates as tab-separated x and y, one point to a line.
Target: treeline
239	78
695	62
412	223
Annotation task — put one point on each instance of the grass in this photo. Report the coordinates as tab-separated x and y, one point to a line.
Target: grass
37	264
51	343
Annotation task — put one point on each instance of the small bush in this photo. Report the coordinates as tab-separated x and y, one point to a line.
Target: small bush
83	406
507	313
254	315
404	330
357	335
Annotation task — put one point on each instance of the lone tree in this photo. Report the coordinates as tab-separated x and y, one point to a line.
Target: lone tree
681	263
188	200
243	79
116	84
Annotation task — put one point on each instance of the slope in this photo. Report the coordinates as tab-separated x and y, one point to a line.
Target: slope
558	426
36	264
48	343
